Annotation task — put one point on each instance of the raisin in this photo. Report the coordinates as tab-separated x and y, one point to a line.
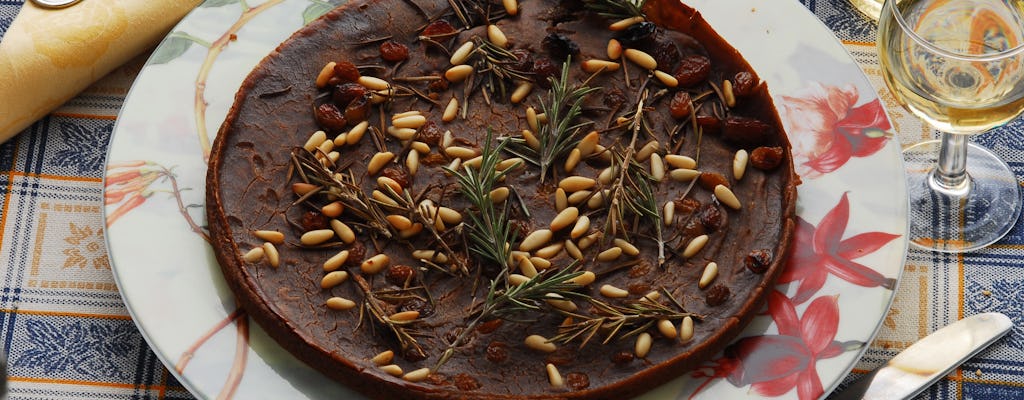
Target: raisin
357	110
346	92
356	252
438	28
559	46
346	71
758	260
640	269
665	53
400	275
490	326
398	174
622	357
424	307
613	98
577	381
636	34
692	70
393	51
437	379
746	132
680	107
314	220
543	69
497	352
433	159
710	216
523	62
639	289
743	84
438	85
466	382
561	356
687	205
430	134
766	158
717	295
693	229
708	180
329	118
709	123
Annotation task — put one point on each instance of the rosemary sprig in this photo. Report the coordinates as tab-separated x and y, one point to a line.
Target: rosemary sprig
403	333
558	136
618	321
641	201
489	231
617	9
345	188
504	301
493	63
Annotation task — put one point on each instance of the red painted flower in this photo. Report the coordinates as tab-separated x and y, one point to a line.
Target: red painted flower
826	130
775	364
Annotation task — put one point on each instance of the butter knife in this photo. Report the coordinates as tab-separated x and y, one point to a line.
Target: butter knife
924	362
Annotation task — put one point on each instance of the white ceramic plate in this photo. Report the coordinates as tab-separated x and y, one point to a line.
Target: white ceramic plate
852	207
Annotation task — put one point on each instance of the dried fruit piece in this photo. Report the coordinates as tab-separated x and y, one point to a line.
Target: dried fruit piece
330	118
681	106
559	46
743	84
758	260
692	70
746	132
717	295
438	28
393	51
346	71
766	158
708	180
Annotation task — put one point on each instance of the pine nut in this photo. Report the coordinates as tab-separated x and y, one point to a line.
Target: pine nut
461	54
728	94
657	168
581	226
686	329
420	147
447	139
514	162
315	237
652	296
678	161
274	237
406	114
649	148
669	213
375	264
474	162
561	200
564	218
463	153
385	183
344	232
412	121
333	279
739	164
411	231
430	255
378	161
666	79
683	174
710	272
608	175
499	195
412	162
614	49
527	268
597	200
595	66
613	292
458	73
451	110
302	188
540	262
695	245
333	157
511	6
356	133
383	358
315	140
399	222
578	197
727	197
643	345
625	23
587	241
340	303
404	316
576	183
550	251
531	140
572	160
554	378
609	254
326	73
326	146
254	254
572	250
402	133
626	247
333	209
383	198
667	329
373	83
540	343
531	119
392	370
273	257
640	58
336	261
535	240
522	90
496	36
516	279
417	375
584	279
587	144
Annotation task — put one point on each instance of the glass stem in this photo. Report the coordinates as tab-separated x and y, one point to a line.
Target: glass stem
950	175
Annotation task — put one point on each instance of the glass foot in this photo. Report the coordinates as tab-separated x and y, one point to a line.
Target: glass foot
958	221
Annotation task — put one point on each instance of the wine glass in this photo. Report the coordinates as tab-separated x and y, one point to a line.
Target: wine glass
959	65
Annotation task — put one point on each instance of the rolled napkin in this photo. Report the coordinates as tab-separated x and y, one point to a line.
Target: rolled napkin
48	56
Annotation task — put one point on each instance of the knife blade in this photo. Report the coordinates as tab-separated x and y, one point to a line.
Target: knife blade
917	367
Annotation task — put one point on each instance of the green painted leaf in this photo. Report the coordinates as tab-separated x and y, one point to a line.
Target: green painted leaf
175	45
315	10
217	3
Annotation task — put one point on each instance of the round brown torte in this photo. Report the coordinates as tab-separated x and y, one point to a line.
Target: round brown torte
675	156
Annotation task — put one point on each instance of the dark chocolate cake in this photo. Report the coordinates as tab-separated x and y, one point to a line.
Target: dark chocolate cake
474	199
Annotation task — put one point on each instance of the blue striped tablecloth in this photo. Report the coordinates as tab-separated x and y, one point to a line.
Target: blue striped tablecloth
67	334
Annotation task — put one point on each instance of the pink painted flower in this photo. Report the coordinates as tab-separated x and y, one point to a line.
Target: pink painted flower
826	130
773	365
820	251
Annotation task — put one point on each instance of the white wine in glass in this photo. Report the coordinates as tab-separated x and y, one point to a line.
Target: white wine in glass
959	65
